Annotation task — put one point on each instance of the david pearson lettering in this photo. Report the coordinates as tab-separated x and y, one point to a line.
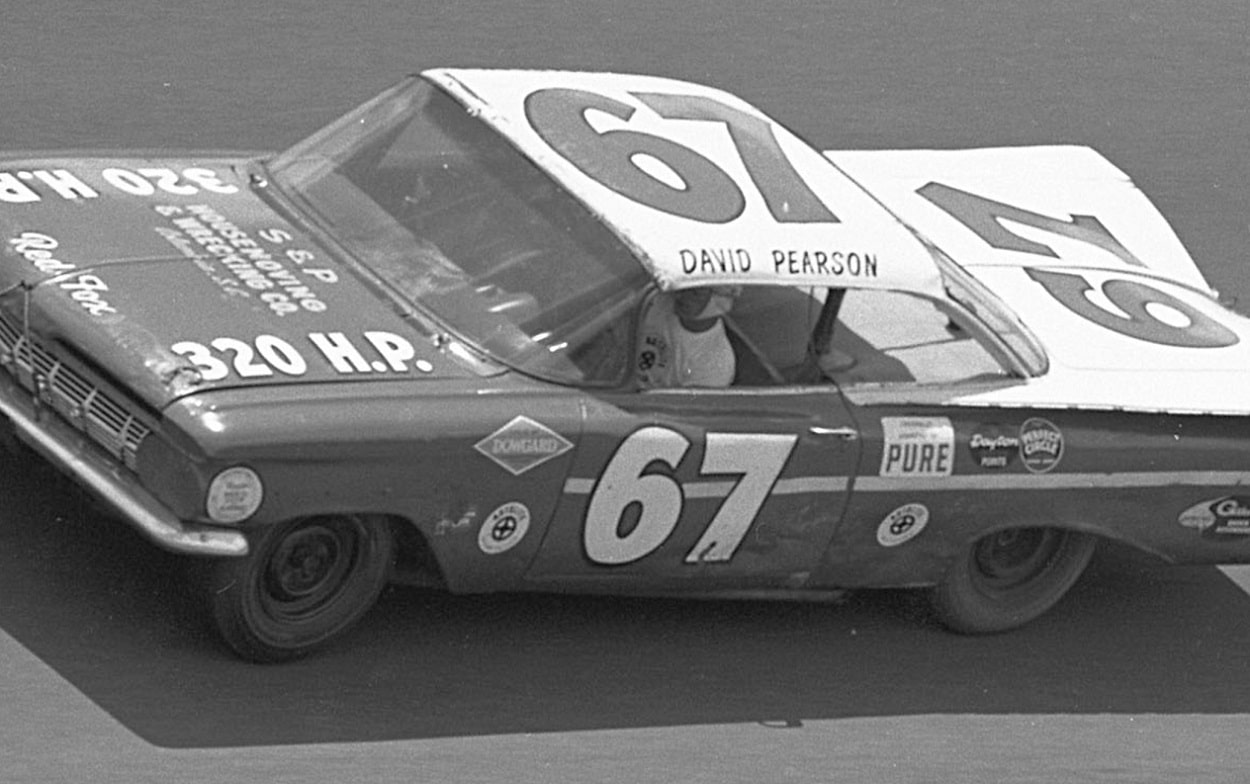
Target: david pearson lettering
818	262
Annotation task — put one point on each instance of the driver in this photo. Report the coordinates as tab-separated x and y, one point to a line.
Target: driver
683	341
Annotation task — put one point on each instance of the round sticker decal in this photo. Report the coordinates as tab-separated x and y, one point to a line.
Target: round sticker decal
992	448
1041	445
504	528
902	525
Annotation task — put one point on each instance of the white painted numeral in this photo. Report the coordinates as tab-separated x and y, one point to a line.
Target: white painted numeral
145	182
274	353
211	368
759	458
167	180
208	180
633	510
281	355
623	485
245	363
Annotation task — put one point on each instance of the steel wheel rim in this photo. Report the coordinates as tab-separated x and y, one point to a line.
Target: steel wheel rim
308	569
1008	559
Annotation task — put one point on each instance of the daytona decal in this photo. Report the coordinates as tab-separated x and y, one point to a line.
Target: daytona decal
902	525
523	444
265	354
22	187
993	448
917	446
655	500
504	528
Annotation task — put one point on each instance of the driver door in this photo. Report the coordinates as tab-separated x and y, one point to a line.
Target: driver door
702	488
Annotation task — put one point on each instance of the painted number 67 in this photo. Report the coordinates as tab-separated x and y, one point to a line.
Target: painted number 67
656	499
624	159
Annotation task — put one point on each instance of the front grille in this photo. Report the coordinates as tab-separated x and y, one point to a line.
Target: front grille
82	403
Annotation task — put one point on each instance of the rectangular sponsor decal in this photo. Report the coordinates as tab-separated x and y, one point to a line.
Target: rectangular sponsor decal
917	446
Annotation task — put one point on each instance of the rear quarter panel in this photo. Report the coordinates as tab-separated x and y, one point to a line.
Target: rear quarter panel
1143	479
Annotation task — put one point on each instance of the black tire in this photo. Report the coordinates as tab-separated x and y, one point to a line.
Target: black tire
13	451
1006	579
304	583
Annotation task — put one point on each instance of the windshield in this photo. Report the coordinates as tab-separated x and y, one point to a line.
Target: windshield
463	226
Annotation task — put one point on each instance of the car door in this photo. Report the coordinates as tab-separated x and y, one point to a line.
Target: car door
702	488
933	471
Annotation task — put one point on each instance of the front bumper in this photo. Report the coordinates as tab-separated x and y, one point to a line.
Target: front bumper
77	456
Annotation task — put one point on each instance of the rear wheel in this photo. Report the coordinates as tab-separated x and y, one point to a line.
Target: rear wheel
304	583
1006	579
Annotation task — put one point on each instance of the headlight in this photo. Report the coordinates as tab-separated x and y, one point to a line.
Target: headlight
234	495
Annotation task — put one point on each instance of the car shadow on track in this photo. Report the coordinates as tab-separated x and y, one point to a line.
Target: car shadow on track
114	617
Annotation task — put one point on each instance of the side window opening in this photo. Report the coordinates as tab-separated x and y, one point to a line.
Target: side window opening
892	337
777	323
776	336
767	330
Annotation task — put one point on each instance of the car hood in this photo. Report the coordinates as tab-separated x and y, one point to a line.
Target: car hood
171	276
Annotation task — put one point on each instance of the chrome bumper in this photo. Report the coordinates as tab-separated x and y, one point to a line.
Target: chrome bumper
74	454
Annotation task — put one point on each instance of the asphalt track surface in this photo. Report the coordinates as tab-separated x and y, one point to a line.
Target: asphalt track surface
109	672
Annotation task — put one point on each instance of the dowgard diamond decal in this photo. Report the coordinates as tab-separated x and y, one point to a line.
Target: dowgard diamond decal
522	444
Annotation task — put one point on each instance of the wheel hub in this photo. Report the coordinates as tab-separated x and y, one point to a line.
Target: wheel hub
1012	557
307	568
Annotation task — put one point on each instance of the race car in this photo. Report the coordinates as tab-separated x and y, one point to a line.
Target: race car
503	330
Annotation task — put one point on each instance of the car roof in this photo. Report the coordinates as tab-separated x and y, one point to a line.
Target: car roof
702	186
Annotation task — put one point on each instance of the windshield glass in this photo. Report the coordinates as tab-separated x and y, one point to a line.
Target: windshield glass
463	226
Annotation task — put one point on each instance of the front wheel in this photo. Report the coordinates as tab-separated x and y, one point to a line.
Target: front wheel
304	583
1006	579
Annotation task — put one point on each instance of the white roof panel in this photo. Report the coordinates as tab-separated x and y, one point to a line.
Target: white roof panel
704	187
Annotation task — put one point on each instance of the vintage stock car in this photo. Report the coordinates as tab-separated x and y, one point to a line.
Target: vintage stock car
545	331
